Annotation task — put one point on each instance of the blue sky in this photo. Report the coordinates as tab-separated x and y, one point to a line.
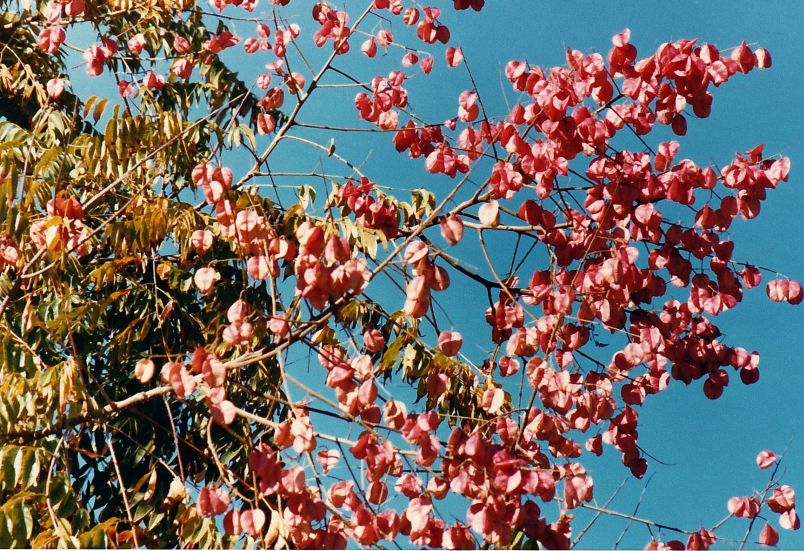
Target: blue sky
709	446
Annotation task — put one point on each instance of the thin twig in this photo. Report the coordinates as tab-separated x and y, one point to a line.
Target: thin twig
123	493
597	514
636	510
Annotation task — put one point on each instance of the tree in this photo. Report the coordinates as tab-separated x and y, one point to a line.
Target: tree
166	278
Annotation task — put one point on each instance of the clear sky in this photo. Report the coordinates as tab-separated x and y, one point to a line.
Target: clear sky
709	447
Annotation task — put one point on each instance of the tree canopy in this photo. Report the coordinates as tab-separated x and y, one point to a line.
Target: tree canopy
201	346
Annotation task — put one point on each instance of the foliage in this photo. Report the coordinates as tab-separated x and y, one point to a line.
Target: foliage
152	299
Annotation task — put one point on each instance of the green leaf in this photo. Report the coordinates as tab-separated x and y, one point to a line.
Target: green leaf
8	460
22	523
95	538
46	161
391	354
410	366
368	241
423	200
6	539
249	135
306	194
97	113
27	466
88	104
